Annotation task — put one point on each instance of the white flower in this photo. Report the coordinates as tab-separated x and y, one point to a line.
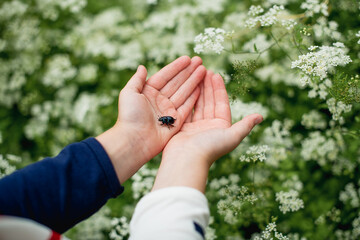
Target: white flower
210	41
314	6
289	201
59	69
318	63
143	181
337	108
269	18
6	164
120	228
255	153
313	119
358	35
255	10
350	195
240	109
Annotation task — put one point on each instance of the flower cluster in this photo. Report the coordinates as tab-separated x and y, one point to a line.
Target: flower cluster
211	40
318	63
319	148
120	229
232	197
350	195
143	181
59	69
338	108
255	153
289	201
240	109
271	17
313	119
314	6
6	164
278	138
270	233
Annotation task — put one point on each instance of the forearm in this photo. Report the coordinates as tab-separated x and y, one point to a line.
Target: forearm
124	150
182	170
61	191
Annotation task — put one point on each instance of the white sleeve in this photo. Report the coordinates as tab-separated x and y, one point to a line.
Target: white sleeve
174	213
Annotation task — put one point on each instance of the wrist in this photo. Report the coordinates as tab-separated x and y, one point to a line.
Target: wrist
123	150
182	170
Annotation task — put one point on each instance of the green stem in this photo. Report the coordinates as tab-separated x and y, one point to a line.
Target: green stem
277	43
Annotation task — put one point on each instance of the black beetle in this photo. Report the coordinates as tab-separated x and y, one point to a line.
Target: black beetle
167	120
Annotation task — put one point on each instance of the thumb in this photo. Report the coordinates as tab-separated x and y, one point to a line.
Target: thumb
242	128
137	81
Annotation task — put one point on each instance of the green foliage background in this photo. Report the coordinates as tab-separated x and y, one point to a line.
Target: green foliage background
38	105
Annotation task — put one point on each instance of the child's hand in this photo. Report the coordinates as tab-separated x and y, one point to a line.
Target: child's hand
137	135
206	135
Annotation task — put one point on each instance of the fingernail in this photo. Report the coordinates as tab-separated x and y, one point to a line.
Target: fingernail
258	120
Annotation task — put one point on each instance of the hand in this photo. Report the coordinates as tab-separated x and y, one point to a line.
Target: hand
206	135
137	135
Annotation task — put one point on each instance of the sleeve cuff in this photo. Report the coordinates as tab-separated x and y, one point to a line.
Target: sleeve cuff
106	165
171	213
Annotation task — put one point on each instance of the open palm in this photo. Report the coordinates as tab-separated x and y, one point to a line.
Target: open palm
208	132
172	91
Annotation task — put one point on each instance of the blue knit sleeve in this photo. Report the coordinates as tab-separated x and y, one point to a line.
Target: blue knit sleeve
59	192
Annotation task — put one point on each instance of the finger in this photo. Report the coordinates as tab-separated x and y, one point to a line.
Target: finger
188	119
209	105
138	80
174	84
188	87
159	79
199	106
221	99
186	109
239	130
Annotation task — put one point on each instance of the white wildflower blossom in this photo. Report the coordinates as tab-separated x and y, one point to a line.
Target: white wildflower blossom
12	9
358	35
129	58
270	233
88	73
152	2
276	73
260	41
211	40
315	6
255	10
269	18
289	201
59	69
278	138
206	6
232	196
319	148
338	108
7	164
350	195
318	63
120	228
50	9
292	182
143	181
240	109
210	233
324	29
313	119
255	153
